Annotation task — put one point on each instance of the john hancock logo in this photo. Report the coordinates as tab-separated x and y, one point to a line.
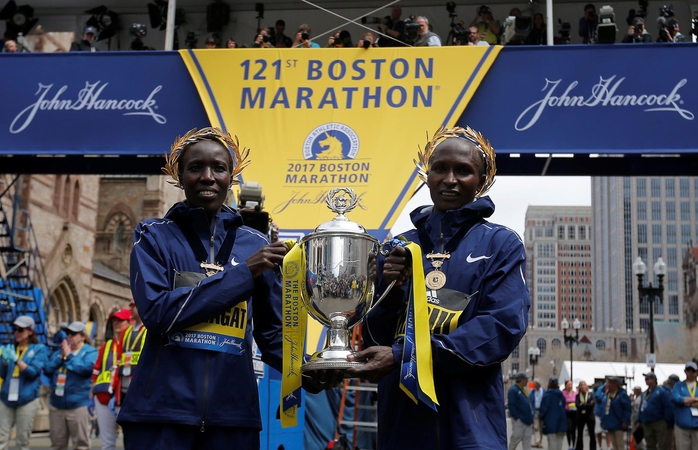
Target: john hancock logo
331	141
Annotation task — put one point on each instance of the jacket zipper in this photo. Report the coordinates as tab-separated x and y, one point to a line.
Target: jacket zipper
206	373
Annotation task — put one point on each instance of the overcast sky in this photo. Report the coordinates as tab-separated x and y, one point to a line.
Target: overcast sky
513	195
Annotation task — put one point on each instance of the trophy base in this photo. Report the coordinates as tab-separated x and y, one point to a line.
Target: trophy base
330	359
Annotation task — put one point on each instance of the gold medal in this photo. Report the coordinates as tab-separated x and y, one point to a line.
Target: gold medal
436	279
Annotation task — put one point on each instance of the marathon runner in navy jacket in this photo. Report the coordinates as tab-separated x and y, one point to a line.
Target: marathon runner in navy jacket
198	278
477	317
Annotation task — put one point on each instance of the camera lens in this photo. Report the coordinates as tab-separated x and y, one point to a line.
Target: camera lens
366	43
265	38
304	36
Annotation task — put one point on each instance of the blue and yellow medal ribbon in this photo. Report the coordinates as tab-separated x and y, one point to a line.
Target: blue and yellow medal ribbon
416	371
294	316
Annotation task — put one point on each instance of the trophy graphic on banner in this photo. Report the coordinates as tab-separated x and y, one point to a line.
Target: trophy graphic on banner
338	291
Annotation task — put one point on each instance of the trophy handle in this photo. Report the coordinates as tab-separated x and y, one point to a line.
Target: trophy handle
380	299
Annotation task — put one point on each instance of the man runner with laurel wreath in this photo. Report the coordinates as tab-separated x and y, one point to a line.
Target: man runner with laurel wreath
442	389
195	276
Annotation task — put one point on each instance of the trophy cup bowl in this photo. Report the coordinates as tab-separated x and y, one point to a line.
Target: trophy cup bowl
339	292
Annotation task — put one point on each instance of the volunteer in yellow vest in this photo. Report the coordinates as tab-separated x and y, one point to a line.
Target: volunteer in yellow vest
131	345
21	369
105	383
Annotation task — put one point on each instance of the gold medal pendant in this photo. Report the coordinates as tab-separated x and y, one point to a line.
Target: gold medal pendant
436	279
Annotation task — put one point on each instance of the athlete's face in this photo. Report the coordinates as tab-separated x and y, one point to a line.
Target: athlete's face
455	174
206	175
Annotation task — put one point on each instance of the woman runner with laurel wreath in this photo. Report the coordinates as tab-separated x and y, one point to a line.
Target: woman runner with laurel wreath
195	276
474	314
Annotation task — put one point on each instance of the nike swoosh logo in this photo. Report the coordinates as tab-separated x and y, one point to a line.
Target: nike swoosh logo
470	258
232	261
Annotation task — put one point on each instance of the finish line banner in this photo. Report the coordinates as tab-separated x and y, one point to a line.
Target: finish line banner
326	118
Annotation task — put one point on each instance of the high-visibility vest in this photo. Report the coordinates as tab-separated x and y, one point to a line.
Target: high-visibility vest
135	347
103	383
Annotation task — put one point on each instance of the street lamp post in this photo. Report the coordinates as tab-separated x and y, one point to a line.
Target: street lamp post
571	340
639	269
533	354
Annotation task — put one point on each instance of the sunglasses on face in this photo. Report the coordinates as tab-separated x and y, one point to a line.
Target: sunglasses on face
72	333
17	329
689	370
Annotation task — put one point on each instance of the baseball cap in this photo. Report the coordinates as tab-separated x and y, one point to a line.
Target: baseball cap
691	365
520	376
90	29
76	327
24	322
122	314
552	381
674	378
616	379
650	375
637	388
638	21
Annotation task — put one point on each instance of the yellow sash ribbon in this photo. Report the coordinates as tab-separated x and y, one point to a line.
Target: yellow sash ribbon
417	350
295	317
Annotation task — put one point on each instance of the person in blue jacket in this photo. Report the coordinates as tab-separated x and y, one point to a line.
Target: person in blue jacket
70	370
686	409
477	301
553	415
599	410
20	369
521	413
656	411
198	278
617	410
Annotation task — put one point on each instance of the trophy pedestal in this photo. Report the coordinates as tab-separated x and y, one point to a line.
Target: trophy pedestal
334	355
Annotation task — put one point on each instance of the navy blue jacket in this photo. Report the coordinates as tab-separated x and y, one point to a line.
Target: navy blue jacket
552	412
476	321
619	412
682	413
519	405
35	357
656	406
179	385
598	398
78	370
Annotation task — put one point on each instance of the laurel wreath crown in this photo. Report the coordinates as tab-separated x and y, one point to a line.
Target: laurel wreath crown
193	136
475	137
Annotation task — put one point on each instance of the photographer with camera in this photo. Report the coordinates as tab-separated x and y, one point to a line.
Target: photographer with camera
488	28
341	39
587	24
637	33
367	41
395	28
425	37
263	39
669	32
277	36
303	38
88	41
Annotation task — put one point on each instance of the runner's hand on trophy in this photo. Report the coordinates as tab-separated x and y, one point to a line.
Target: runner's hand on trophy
315	381
379	363
268	257
397	266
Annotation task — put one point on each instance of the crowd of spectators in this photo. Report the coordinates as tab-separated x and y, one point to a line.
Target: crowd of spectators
394	31
661	417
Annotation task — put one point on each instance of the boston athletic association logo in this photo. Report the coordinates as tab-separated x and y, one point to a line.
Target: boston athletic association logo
331	141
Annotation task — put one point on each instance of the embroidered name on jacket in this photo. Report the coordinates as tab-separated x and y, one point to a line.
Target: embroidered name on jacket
224	333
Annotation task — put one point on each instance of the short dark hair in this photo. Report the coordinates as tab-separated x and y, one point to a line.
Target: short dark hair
211	40
589	5
280	22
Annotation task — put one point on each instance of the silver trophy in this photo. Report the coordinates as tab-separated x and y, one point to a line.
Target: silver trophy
338	256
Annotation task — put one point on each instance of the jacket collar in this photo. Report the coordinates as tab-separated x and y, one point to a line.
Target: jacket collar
182	213
431	226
